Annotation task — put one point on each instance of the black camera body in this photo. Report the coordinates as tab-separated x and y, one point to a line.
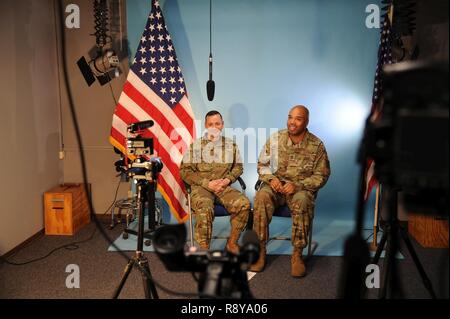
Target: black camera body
409	143
222	275
139	146
140	149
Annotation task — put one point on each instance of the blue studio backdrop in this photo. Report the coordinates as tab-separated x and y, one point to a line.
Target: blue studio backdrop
270	55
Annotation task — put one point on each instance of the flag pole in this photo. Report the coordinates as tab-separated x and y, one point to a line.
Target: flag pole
374	244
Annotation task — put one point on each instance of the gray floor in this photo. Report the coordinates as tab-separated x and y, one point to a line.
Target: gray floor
100	273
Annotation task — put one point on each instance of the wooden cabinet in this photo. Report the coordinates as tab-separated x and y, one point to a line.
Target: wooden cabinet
66	209
429	231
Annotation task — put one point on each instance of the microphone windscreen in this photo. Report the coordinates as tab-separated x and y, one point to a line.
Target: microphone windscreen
210	87
145	124
139	126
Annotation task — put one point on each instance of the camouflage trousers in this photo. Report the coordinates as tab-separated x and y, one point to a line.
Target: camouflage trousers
202	204
301	206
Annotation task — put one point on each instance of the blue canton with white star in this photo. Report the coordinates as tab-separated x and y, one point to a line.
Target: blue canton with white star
384	57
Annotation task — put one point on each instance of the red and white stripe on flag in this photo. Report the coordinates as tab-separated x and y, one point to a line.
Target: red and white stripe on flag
155	90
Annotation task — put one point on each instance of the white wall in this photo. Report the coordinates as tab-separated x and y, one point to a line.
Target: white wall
29	117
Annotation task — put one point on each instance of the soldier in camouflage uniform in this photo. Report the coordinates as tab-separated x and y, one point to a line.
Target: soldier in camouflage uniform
210	167
293	166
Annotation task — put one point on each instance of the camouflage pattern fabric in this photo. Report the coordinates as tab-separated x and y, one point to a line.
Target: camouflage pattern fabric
208	161
307	166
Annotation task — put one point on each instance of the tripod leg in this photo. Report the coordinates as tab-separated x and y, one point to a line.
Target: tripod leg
386	269
423	274
391	280
150	199
380	247
376	258
149	286
127	271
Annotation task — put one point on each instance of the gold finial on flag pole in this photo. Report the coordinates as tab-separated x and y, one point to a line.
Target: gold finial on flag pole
391	13
374	244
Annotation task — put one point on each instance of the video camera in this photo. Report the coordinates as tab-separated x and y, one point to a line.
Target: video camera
143	166
136	144
410	141
222	275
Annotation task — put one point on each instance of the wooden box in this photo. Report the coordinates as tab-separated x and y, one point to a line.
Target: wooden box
66	209
429	231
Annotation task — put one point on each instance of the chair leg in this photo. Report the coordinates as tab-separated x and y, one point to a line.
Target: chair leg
113	222
310	238
191	225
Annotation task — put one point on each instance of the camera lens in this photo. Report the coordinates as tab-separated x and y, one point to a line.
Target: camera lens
170	239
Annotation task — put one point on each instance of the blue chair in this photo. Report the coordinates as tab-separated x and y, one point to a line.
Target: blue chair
283	211
219	210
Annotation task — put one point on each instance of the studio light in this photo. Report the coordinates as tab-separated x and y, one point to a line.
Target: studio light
104	63
103	68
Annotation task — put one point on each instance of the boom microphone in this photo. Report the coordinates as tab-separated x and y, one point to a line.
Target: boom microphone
210	85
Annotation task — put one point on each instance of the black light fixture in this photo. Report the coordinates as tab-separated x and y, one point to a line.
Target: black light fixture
104	65
103	68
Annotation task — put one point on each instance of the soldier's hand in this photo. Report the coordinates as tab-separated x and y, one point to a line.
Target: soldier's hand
276	185
226	182
219	189
288	188
214	185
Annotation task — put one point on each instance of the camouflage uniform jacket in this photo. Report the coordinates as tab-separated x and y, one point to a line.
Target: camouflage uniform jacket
207	161
305	164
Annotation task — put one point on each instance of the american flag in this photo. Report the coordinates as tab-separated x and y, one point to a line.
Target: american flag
155	90
384	57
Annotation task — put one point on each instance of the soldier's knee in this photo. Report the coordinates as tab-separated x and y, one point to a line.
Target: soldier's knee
240	205
303	196
302	201
245	204
262	196
203	203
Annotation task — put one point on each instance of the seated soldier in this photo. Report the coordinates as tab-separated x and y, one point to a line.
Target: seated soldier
210	167
292	166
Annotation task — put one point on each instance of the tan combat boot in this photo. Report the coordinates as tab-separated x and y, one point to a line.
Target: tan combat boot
261	262
203	246
298	268
232	245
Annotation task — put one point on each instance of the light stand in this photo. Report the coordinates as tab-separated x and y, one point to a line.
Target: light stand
392	229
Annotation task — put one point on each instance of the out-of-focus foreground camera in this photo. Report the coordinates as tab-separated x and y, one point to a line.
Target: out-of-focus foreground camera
222	275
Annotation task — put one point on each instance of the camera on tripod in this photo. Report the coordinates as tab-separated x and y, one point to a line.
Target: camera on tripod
410	141
222	275
143	166
136	144
409	144
144	170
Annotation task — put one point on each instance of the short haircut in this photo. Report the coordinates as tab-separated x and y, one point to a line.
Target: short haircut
213	112
301	107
